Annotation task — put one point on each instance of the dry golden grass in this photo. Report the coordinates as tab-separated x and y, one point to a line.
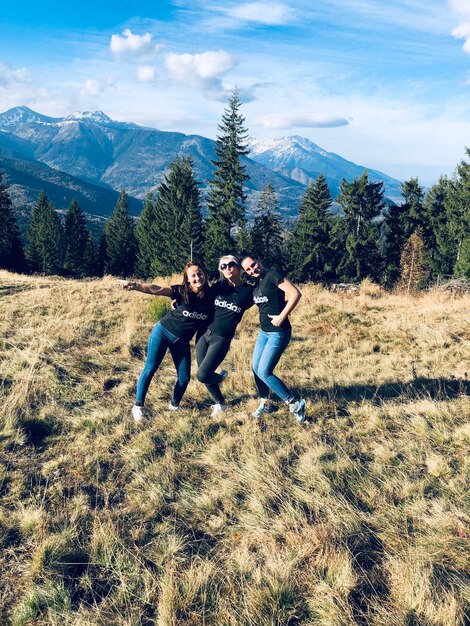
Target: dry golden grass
358	518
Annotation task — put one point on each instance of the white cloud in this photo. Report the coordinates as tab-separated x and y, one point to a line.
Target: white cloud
462	31
270	14
9	76
199	67
133	45
93	87
203	70
146	74
286	121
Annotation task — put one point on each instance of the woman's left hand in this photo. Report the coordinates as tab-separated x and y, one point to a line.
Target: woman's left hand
276	320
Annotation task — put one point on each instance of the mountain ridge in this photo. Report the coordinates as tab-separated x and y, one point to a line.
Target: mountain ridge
114	155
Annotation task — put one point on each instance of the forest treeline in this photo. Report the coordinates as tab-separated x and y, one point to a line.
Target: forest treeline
425	237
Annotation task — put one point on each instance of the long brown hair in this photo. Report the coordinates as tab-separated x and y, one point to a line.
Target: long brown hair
185	289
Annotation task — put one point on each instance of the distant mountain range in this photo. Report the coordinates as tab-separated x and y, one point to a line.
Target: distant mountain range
92	157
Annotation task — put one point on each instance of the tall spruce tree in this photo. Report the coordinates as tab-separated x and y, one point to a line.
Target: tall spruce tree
439	251
357	234
120	239
392	239
45	247
412	214
226	199
11	248
310	254
77	241
147	238
458	216
170	230
266	233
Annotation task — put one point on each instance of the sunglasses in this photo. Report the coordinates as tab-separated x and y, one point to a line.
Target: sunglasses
226	266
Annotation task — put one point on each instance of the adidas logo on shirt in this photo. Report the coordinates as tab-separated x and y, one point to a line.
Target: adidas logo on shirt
260	299
227	305
194	315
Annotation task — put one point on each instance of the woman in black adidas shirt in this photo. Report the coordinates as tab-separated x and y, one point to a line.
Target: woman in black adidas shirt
194	309
233	298
276	297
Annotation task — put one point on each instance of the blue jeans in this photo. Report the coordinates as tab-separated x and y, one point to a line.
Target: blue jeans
160	341
268	350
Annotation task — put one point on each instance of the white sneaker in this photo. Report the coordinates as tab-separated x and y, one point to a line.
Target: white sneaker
224	374
138	413
173	407
298	409
263	408
218	409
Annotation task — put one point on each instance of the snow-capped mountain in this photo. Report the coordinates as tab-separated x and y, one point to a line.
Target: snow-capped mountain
302	160
92	147
13	118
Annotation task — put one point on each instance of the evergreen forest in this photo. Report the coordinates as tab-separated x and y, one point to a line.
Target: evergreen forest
423	240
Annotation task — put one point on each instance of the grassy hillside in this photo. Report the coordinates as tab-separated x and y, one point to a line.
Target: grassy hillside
358	518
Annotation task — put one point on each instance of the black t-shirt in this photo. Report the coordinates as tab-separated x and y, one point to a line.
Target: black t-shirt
186	319
270	299
230	304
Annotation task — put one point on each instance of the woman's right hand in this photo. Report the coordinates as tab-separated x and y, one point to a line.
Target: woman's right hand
128	285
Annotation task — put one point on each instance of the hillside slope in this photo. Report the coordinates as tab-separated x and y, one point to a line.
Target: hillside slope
26	179
355	519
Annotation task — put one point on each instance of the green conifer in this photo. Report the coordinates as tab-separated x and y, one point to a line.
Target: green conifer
309	246
226	200
77	241
267	231
357	235
458	216
11	248
120	240
45	247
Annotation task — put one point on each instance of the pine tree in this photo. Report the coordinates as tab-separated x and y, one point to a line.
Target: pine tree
399	223
90	258
147	238
11	248
44	250
309	245
412	215
179	200
357	235
266	233
458	216
440	246
392	240
101	255
77	241
120	240
226	200
170	228
413	270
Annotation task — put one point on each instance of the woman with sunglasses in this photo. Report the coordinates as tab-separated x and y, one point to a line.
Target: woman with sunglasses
276	298
193	309
233	298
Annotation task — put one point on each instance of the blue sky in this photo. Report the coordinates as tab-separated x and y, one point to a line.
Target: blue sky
385	84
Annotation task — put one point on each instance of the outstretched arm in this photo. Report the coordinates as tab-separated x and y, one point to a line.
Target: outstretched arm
293	295
151	289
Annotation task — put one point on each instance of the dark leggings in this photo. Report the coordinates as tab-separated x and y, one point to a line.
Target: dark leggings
160	341
211	350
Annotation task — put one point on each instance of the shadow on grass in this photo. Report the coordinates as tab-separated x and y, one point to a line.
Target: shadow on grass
431	388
